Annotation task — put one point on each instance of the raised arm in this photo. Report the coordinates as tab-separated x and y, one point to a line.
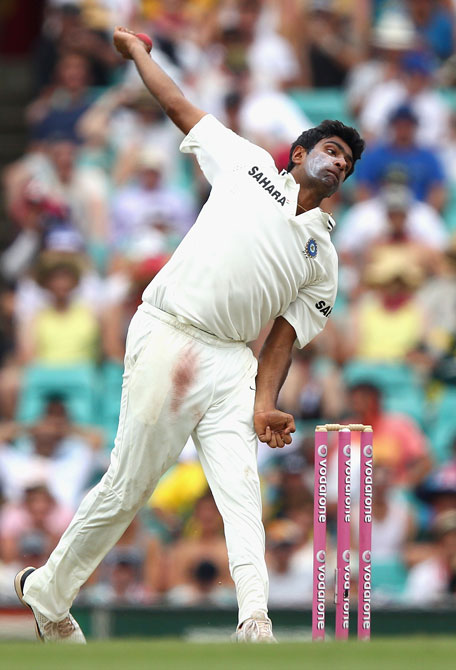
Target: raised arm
272	425
165	91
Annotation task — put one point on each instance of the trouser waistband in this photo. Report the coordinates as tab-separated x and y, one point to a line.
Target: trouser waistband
188	329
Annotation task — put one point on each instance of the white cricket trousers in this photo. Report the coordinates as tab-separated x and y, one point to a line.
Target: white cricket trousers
178	381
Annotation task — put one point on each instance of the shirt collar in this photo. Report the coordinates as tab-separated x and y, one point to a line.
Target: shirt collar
292	191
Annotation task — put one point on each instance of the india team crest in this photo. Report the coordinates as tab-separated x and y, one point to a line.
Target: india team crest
311	248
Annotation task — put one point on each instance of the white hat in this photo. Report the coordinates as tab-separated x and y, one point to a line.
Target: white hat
151	158
394	31
396	197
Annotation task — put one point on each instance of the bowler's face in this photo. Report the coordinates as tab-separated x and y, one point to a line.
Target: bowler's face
329	162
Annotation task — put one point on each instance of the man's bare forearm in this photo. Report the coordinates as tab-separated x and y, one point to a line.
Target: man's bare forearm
272	372
274	363
182	112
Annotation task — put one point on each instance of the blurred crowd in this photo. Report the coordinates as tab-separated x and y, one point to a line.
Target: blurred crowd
101	198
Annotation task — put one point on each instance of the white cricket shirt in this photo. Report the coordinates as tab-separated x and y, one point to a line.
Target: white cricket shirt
248	258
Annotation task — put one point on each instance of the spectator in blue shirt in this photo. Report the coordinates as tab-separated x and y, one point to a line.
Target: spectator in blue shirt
426	177
434	24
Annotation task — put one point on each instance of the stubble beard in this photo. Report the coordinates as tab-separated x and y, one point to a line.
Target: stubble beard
314	167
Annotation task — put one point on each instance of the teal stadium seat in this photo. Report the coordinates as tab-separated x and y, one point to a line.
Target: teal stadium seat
324	103
442	430
109	400
449	95
388	578
401	388
449	213
77	385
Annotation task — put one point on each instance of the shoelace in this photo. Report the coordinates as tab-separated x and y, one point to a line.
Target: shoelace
64	627
261	628
264	628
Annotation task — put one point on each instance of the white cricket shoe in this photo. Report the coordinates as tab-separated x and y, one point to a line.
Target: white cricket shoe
256	629
66	630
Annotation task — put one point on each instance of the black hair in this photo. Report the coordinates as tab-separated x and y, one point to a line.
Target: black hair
205	572
366	387
309	138
52	399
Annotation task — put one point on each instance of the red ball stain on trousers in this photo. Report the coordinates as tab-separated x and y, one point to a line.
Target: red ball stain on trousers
183	376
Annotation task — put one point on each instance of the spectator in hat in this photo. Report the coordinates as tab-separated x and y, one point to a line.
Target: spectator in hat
387	323
415	87
33	547
42	307
66	331
399	151
48	189
29	531
52	450
121	582
392	219
64	246
288	486
36	516
440	336
394	524
290	583
390	38
147	212
399	445
433	580
269	55
123	121
122	293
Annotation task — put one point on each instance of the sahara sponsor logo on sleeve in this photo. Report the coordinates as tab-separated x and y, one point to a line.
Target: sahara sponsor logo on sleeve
324	307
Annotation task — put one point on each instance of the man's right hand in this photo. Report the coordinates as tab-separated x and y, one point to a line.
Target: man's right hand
125	41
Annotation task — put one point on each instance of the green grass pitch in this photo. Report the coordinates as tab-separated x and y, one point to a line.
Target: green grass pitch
383	654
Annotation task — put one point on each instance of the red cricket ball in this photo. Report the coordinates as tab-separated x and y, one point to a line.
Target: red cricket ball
146	39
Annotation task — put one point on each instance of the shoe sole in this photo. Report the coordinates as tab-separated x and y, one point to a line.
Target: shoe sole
20	595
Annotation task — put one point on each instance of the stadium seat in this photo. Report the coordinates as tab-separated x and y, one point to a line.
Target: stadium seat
442	430
76	385
388	578
400	386
320	104
109	399
449	213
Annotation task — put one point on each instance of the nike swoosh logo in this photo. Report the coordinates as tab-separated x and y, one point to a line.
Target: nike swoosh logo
252	388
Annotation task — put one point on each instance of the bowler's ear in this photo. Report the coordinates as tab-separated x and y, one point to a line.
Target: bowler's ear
299	155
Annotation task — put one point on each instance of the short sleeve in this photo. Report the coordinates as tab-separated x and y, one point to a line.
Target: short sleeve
218	149
309	313
435	168
368	170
